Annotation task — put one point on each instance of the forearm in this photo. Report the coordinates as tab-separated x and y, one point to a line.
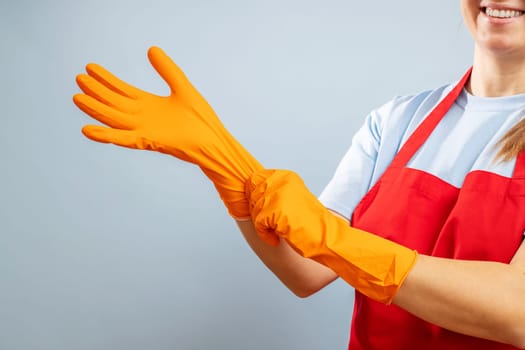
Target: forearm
481	299
302	276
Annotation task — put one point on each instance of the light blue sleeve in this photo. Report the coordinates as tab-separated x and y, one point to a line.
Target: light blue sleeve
354	174
374	146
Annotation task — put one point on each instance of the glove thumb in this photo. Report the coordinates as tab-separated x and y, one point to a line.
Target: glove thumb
255	190
168	70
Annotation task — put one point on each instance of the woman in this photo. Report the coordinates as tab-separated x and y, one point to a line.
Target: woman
437	178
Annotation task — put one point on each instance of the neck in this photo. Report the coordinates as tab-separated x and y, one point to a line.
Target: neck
494	76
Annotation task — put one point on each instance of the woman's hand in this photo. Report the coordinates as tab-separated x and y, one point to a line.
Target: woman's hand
182	124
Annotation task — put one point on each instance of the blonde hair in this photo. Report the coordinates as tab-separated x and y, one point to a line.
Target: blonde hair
512	143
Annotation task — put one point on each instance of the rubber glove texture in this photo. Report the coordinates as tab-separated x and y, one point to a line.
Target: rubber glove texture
282	206
182	124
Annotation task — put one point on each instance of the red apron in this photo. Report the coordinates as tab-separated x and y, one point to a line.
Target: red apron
482	220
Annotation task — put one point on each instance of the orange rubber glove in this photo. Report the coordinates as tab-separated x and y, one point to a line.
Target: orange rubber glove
182	124
282	206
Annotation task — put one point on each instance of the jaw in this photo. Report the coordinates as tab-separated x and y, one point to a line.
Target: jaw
498	29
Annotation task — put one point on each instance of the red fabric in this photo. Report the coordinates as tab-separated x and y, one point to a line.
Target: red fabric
479	221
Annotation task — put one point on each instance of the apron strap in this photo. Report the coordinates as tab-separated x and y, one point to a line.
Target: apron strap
423	131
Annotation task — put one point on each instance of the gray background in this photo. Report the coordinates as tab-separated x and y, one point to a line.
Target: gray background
108	248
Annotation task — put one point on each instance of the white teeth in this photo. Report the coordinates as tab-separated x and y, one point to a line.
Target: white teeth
502	13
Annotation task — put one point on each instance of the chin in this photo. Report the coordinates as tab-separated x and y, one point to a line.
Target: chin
502	47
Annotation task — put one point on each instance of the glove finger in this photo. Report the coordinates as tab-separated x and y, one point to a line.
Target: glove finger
97	90
112	82
104	113
168	70
256	186
124	138
264	219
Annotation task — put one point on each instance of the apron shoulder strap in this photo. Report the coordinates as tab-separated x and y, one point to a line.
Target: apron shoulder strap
423	131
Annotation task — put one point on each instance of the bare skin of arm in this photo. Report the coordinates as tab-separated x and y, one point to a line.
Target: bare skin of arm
302	276
478	298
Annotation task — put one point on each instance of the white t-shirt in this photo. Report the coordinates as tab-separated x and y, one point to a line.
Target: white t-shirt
464	140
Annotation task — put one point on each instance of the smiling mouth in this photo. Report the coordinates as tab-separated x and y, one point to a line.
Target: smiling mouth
501	13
